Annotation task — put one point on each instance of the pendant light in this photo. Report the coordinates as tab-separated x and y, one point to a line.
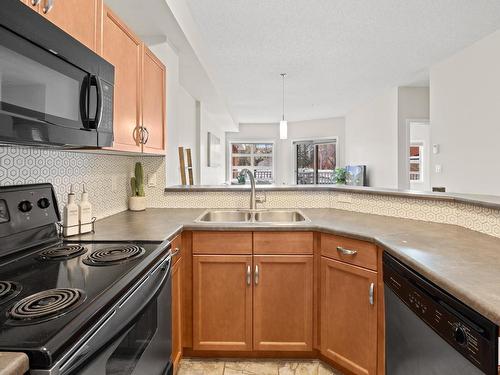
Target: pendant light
283	122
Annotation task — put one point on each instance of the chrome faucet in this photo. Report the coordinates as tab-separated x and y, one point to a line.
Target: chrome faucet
248	172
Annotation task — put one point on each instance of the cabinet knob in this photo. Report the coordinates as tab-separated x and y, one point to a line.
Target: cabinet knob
48	6
249	275
146	135
345	251
371	294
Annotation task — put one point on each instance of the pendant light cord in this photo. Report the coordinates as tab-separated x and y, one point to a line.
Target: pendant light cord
283	75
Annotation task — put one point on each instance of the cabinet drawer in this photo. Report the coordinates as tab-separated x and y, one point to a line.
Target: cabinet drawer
177	246
283	243
222	243
360	253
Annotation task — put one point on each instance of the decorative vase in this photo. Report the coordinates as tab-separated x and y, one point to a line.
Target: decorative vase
137	203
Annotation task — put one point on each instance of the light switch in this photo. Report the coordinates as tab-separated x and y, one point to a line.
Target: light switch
152	180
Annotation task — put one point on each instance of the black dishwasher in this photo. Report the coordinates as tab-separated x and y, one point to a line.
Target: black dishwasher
429	332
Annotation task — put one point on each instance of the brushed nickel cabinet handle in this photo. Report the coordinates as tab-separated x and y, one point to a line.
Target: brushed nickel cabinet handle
175	252
146	132
256	277
371	293
249	275
35	2
49	4
345	251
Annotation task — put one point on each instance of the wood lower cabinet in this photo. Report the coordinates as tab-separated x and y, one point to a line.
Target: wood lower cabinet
123	49
348	316
222	302
153	102
283	302
80	19
177	286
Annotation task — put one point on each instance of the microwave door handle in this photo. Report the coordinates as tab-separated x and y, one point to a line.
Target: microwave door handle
84	101
100	102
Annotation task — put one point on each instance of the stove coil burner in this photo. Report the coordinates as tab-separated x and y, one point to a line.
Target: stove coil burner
9	290
113	255
46	305
63	252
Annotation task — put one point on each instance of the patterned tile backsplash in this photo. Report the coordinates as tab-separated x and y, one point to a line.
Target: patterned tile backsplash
106	177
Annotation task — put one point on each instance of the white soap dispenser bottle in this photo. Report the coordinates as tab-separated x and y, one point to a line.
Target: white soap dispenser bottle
70	215
85	212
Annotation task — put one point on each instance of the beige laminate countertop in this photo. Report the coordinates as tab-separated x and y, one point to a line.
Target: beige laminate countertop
461	261
13	363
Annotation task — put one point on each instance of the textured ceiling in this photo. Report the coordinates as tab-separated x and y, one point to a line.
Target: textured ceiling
337	53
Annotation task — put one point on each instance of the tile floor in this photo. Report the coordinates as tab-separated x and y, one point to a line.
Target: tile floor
254	367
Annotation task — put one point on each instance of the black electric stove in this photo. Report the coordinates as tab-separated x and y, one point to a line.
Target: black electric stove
60	301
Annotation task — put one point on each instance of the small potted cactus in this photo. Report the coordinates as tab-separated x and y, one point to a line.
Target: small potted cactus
137	201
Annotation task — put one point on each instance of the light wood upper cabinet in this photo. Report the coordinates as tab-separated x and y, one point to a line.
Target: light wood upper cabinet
222	302
283	302
177	285
29	3
80	19
348	316
123	49
153	102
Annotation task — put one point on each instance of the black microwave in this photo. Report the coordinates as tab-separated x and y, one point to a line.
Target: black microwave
53	89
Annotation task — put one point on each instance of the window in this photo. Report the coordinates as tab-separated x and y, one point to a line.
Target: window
416	153
315	162
257	157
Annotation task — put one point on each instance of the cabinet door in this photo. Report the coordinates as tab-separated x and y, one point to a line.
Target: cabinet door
283	302
80	19
29	3
222	302
348	316
177	313
123	49
153	103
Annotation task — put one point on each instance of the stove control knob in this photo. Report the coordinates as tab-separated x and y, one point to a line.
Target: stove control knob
459	335
25	206
43	203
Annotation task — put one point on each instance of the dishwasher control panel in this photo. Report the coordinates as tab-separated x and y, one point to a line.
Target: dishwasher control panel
468	332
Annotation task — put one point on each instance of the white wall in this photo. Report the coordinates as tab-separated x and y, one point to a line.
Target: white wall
300	130
181	114
413	104
372	139
211	123
465	118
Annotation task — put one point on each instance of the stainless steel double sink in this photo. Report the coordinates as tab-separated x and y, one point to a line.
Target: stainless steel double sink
253	217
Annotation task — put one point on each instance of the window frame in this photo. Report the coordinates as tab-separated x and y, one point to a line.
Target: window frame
315	142
229	153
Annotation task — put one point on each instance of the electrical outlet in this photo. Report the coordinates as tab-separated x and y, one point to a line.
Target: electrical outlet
152	180
343	198
114	184
438	168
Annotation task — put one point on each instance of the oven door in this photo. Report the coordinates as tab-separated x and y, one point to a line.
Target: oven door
43	98
142	347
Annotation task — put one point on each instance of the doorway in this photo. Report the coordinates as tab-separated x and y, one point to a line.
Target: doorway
418	155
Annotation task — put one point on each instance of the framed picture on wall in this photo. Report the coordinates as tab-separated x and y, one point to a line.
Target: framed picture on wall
214	150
